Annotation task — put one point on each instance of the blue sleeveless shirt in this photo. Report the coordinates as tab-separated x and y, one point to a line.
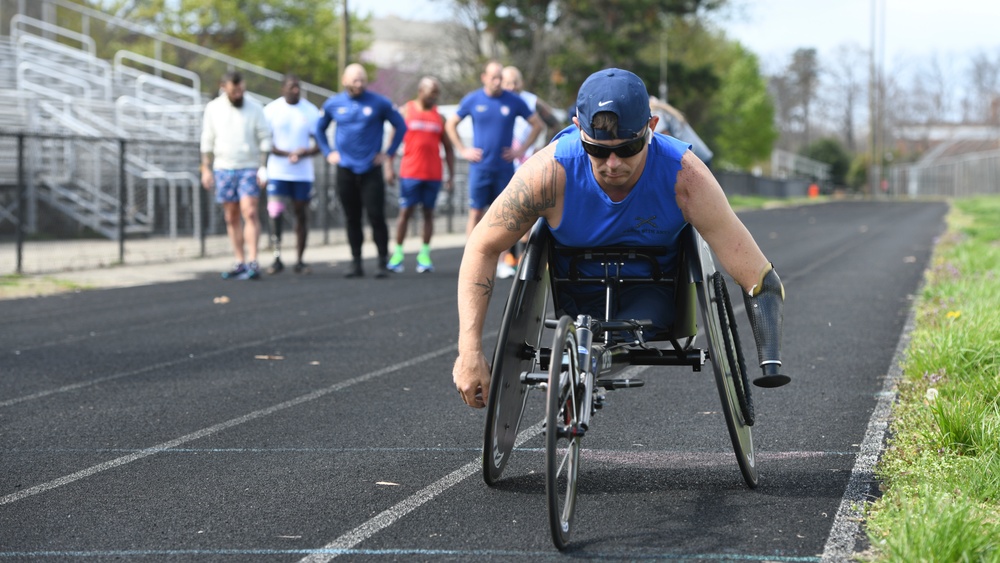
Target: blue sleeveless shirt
648	216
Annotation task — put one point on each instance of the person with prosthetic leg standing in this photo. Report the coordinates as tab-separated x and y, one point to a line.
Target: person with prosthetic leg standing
290	170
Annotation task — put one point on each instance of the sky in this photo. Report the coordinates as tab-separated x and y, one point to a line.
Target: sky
774	29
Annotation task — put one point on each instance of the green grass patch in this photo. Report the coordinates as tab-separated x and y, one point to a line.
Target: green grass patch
941	471
14	286
760	202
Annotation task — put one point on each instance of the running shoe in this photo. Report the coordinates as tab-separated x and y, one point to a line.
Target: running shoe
252	272
276	267
238	270
302	268
396	261
424	263
505	271
356	270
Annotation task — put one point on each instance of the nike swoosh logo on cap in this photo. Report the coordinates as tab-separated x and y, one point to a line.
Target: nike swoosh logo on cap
602	104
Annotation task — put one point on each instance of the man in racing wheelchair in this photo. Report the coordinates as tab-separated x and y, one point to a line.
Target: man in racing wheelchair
608	180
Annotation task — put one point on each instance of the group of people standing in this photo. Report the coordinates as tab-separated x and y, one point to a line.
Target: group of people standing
246	147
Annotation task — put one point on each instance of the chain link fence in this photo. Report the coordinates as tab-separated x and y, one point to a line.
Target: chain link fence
956	176
78	202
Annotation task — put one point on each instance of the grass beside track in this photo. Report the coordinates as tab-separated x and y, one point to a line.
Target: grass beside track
940	474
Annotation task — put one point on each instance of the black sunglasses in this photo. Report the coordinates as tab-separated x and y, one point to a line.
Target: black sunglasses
623	150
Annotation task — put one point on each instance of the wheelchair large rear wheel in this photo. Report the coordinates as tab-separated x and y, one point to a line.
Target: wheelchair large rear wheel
517	344
562	439
726	357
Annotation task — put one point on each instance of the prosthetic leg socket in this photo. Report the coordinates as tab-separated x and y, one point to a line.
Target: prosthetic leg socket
764	305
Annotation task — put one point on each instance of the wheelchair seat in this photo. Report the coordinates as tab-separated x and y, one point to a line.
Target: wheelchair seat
576	270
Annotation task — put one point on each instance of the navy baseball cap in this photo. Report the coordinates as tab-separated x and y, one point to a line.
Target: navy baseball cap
618	91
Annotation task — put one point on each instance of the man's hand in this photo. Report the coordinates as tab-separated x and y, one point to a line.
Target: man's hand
388	171
262	176
207	178
511	154
472	378
333	158
472	154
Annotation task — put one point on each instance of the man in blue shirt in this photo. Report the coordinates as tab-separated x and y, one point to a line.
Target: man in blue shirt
363	168
491	158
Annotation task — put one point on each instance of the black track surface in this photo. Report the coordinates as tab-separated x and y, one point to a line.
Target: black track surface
315	416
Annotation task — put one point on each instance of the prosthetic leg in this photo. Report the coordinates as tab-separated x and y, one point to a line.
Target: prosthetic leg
764	303
276	206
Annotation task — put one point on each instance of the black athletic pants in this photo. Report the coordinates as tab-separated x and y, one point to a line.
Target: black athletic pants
357	191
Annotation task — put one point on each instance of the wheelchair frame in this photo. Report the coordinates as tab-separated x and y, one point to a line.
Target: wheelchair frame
584	355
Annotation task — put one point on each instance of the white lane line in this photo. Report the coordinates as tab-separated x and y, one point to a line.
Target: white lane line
217	352
847	523
345	543
123	460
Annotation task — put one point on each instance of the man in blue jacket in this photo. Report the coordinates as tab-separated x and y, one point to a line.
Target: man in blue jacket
363	168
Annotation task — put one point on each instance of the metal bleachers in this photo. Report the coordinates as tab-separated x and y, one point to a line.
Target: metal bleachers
53	83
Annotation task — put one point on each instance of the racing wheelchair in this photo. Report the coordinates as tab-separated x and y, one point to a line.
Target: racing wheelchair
584	354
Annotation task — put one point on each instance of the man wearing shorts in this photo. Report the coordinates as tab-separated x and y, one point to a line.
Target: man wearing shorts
491	158
420	169
235	141
290	170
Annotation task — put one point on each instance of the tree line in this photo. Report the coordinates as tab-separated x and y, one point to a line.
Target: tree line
807	105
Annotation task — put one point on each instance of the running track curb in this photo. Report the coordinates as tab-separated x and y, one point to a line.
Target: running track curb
846	528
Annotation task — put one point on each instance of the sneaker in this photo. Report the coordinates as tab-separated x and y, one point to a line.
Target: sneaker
238	270
302	268
252	272
396	261
505	271
356	270
510	260
424	263
276	267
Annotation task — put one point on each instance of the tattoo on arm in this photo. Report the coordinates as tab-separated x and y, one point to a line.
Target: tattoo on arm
526	197
486	286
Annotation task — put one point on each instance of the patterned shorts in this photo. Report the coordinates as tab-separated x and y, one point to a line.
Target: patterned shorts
234	185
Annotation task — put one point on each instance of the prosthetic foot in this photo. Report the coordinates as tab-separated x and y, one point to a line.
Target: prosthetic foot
764	304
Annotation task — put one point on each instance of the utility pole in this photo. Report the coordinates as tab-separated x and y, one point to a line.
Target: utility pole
343	52
876	133
872	120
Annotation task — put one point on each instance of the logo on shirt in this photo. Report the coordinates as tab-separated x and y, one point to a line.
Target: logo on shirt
481	108
640	222
646	226
367	110
504	111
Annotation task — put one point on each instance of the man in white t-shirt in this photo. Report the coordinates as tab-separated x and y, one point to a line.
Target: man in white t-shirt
290	172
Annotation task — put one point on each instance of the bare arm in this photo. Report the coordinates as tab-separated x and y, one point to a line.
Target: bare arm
704	204
536	129
535	191
546	114
449	160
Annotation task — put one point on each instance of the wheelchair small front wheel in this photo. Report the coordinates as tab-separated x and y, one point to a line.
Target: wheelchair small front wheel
562	431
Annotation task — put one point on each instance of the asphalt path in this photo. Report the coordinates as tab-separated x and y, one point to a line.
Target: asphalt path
308	418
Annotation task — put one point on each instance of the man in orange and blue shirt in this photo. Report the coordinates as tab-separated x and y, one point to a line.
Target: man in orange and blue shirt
420	170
